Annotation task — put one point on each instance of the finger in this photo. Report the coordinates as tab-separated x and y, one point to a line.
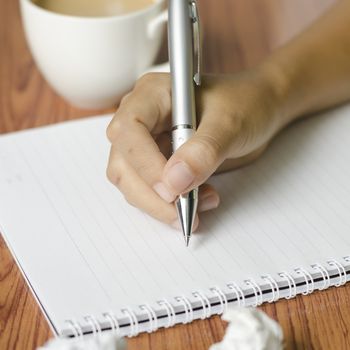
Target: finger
208	198
196	160
149	103
137	192
143	154
145	111
164	144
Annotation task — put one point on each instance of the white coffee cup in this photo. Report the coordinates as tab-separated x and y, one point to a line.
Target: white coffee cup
93	61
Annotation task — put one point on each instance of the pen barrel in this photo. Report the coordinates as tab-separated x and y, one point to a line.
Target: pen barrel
181	55
180	136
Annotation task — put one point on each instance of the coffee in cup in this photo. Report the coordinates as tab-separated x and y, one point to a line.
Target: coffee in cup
94	8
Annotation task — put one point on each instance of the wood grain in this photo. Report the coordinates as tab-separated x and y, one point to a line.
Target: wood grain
237	34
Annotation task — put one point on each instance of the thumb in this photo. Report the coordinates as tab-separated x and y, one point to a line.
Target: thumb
196	160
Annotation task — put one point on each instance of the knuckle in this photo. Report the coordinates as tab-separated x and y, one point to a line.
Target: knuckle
115	172
155	88
114	176
143	169
125	99
156	82
163	100
114	129
147	78
130	201
161	92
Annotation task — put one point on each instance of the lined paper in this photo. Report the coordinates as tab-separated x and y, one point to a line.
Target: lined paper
86	251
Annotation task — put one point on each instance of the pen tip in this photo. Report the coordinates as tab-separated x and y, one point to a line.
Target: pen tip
186	207
187	240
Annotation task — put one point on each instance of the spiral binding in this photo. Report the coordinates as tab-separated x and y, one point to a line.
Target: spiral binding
170	312
152	317
205	310
134	324
341	271
325	275
95	326
222	299
75	328
310	286
113	322
257	291
274	287
292	287
188	308
238	292
206	306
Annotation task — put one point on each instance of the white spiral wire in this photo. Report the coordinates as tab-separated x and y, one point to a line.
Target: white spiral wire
134	324
257	291
170	312
346	258
310	286
274	287
222	298
94	324
341	271
187	307
238	291
325	275
112	320
205	304
75	328
152	317
291	284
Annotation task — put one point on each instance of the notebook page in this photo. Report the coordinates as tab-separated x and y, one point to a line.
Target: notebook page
86	251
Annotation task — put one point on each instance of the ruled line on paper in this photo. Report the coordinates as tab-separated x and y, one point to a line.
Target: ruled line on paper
274	213
51	203
116	228
307	202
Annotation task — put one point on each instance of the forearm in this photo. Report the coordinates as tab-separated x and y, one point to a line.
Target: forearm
312	72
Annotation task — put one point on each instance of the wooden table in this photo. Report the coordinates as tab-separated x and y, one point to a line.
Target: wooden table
238	34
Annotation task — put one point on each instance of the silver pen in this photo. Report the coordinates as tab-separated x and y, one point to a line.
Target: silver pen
185	67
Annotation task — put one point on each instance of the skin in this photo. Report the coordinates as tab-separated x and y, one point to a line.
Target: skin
239	115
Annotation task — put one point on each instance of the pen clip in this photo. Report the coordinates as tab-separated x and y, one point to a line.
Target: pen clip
197	54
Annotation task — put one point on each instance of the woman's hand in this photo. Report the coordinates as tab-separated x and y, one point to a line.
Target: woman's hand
238	115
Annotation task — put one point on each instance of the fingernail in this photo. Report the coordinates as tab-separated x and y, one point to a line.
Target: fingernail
208	203
180	177
163	192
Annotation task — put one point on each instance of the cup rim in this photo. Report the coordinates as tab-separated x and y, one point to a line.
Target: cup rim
130	15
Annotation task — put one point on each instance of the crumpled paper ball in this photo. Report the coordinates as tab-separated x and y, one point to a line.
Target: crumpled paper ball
250	329
106	341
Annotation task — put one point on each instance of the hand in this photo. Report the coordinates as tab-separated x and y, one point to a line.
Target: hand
238	117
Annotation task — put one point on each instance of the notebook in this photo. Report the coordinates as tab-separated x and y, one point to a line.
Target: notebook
95	264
